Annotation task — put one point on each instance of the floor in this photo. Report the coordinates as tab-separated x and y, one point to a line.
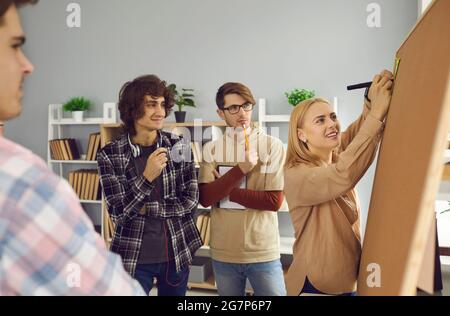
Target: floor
445	292
446	279
193	292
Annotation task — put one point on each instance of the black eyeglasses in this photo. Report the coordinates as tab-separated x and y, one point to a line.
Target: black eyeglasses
234	109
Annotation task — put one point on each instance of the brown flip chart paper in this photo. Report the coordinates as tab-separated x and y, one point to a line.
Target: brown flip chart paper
410	162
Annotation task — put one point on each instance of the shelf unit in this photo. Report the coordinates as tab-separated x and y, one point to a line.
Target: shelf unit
80	161
56	130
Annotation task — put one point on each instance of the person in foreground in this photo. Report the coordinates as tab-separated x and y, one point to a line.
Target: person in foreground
48	245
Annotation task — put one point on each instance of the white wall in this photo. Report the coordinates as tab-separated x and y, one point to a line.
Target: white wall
272	46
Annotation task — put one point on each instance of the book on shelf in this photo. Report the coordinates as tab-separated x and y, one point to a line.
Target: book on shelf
198	223
66	145
208	231
85	183
97	192
62	145
89	187
77	183
73	149
203	224
54	151
90	146
64	149
446	174
111	225
71	177
93	146
205	227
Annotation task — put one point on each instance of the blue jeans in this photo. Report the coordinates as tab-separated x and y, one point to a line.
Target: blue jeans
309	288
266	278
169	282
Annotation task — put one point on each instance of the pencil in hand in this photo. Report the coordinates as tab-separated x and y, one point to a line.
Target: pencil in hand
247	143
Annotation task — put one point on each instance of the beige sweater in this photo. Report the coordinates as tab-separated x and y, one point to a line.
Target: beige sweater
325	212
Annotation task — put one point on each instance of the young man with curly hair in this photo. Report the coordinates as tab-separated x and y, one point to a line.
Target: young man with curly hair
150	185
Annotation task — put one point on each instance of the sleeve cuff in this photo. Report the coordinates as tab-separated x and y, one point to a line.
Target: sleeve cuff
371	126
144	186
367	105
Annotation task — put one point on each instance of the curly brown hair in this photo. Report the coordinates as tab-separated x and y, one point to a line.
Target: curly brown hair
5	4
131	99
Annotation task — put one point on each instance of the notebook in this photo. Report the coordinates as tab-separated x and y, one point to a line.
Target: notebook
226	203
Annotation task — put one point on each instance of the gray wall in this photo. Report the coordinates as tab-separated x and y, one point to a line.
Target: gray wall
271	45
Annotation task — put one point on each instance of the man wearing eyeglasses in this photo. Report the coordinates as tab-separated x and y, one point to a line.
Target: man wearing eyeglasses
244	224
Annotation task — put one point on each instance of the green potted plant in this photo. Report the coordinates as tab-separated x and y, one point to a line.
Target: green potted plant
185	98
296	96
77	106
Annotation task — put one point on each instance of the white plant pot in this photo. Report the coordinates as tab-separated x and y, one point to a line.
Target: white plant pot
78	116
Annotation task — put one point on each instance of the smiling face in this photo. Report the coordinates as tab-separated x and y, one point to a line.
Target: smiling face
320	129
238	119
154	114
14	66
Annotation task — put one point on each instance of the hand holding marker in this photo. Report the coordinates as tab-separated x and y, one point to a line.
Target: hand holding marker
367	85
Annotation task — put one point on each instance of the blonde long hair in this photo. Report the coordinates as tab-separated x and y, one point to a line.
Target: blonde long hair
298	151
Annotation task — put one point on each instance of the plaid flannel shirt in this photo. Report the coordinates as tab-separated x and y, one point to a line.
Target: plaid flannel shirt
48	245
127	192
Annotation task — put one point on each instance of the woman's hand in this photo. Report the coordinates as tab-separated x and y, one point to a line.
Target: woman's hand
380	94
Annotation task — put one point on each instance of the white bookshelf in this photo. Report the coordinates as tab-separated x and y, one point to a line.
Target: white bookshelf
87	121
99	202
81	161
57	125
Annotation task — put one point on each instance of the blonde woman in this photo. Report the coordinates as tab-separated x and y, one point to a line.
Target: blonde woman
322	168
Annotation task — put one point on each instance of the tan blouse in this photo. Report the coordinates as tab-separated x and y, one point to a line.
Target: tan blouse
325	212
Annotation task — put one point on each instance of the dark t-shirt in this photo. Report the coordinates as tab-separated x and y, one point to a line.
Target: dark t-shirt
154	245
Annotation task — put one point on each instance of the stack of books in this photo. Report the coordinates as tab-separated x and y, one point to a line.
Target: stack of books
86	184
64	149
93	146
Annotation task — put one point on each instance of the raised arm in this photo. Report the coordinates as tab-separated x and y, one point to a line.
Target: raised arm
307	186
